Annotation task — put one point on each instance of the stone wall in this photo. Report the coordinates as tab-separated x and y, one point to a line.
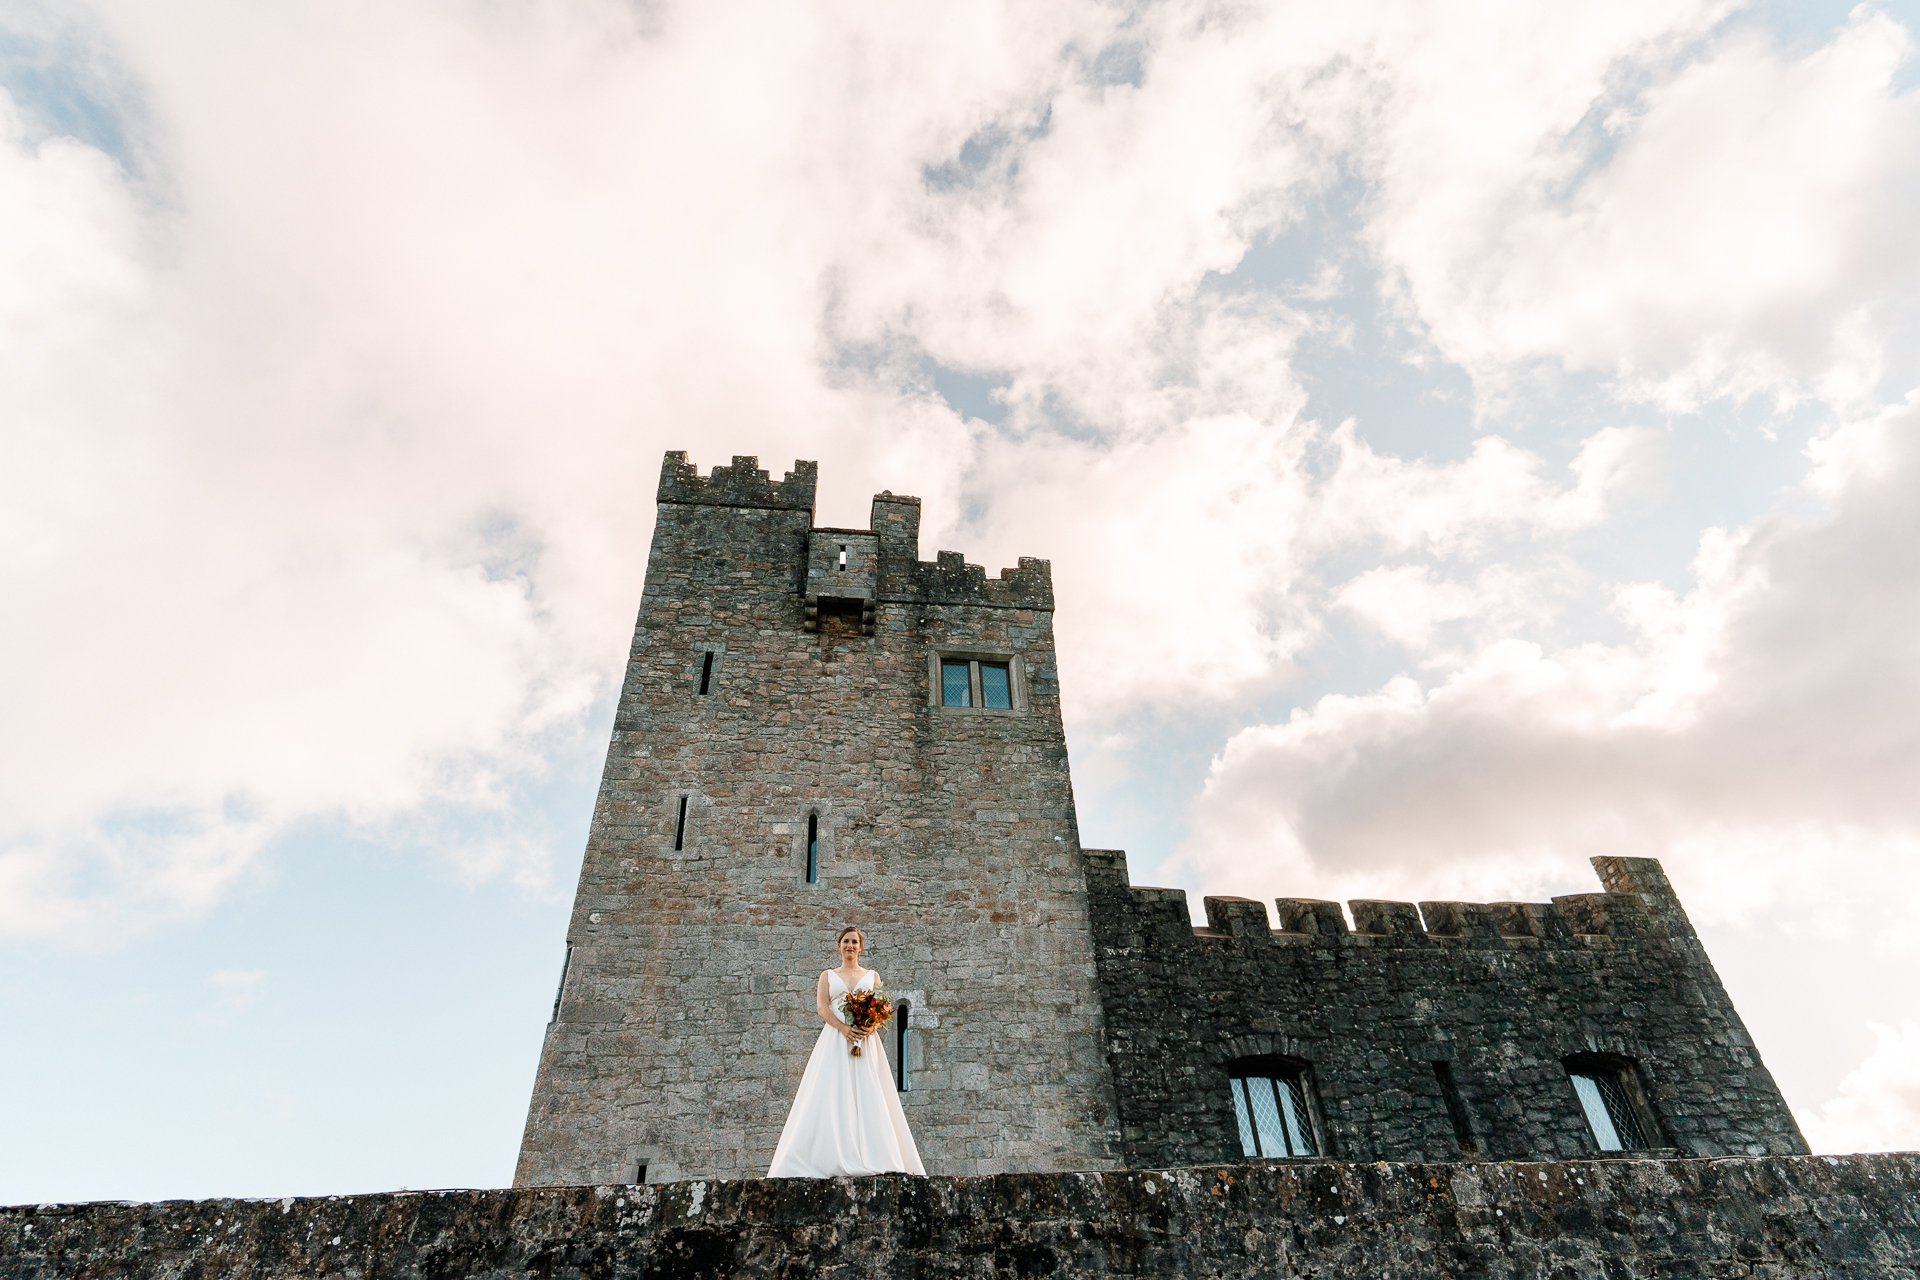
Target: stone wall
1774	1218
1501	993
686	1014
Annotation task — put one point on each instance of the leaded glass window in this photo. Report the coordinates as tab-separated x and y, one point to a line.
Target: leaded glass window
1270	1105
980	683
996	690
954	685
1606	1095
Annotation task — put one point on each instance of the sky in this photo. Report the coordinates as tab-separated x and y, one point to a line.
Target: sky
1469	438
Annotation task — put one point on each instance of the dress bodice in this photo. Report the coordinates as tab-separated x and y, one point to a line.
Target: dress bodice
864	984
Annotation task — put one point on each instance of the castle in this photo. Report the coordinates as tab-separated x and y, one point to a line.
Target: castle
817	728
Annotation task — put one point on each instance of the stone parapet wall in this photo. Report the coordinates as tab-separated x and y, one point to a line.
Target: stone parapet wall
1767	1218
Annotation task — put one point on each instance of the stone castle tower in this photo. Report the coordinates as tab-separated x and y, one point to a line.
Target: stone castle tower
786	759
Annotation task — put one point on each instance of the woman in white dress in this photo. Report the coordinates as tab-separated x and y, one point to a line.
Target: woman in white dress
846	1117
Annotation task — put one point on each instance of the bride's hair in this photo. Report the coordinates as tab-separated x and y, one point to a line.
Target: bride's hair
852	928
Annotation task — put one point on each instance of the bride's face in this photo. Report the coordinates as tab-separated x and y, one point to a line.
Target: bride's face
850	948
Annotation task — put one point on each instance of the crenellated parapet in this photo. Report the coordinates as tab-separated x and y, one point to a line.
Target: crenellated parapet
951	580
887	554
948	578
1650	913
1436	1029
739	484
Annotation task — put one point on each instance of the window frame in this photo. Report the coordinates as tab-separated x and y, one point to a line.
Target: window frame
1016	681
1272	1068
1623	1075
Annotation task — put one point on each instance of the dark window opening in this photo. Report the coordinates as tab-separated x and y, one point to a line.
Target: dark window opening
1456	1106
566	963
996	689
813	848
900	1017
680	830
955	685
1610	1098
1271	1104
706	673
640	1174
843	558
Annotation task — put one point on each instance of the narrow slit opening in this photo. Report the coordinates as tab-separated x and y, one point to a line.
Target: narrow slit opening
813	848
900	1046
1456	1107
566	964
706	673
680	828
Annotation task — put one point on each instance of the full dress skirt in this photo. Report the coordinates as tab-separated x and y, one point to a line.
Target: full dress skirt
847	1118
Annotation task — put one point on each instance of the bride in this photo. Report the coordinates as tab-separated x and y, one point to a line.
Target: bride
846	1117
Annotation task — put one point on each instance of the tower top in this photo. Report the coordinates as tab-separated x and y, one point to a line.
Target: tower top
742	484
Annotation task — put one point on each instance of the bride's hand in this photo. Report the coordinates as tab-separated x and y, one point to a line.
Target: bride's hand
853	1037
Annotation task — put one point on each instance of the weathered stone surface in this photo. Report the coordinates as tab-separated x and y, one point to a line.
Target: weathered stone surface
1502	993
1771	1218
686	1015
783	675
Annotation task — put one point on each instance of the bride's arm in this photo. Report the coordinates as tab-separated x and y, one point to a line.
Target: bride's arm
823	1001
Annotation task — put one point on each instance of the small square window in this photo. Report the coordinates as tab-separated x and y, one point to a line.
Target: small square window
996	690
977	682
955	690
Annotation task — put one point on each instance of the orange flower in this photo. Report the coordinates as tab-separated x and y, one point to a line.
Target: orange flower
865	1012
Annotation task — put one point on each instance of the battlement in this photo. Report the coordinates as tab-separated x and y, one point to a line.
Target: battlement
1646	909
951	580
741	484
889	569
948	578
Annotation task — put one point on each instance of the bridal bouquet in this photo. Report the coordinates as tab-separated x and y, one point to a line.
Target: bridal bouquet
865	1011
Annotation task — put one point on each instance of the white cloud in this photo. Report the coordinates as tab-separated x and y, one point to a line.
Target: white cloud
1452	507
1878	1107
333	427
1757	733
1408	604
1749	235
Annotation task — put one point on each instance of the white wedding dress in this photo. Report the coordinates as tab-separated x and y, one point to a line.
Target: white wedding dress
846	1117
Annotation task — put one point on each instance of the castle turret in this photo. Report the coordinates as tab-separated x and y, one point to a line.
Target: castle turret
818	729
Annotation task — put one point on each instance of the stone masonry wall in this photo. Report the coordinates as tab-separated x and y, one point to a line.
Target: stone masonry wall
686	1014
1773	1218
1500	992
